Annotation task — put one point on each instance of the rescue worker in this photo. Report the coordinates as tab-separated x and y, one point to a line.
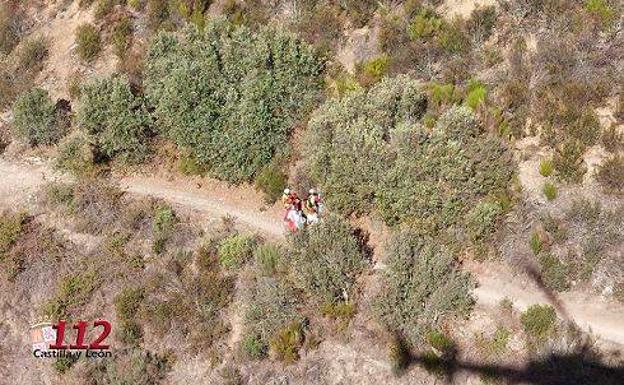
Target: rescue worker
313	201
286	199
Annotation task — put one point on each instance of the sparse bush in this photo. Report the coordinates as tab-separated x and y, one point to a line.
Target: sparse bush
246	108
602	11
611	174
271	181
476	93
127	302
235	250
76	156
268	259
481	23
371	71
612	139
115	117
130	366
162	227
535	242
36	119
74	291
538	321
31	54
270	306
422	287
122	36
546	167
326	259
553	272
494	346
88	42
550	191
285	344
10	230
568	161
10	27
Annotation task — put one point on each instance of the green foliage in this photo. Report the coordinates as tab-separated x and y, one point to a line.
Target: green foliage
568	161
130	366
611	174
115	117
32	53
476	93
602	10
235	250
481	220
162	227
425	25
553	272
535	242
538	321
36	120
285	344
495	345
546	167
75	155
422	287
230	96
63	364
127	302
351	172
74	291
88	42
11	226
271	181
371	71
326	259
268	259
122	36
550	191
270	307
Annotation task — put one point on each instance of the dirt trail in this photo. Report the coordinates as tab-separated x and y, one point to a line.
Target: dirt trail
605	319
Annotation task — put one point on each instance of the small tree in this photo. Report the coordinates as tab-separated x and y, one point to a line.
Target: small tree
36	120
110	112
422	286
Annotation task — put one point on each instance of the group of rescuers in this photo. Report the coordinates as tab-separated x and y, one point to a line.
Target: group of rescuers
299	212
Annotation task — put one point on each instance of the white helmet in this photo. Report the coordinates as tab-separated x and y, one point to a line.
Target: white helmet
312	191
286	191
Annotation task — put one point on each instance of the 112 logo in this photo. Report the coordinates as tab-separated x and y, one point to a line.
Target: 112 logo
81	332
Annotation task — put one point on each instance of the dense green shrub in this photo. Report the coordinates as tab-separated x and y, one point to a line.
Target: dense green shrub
347	146
371	71
235	250
538	321
423	286
75	155
271	181
230	96
36	119
476	93
481	220
611	174
546	167
88	42
115	117
326	259
367	150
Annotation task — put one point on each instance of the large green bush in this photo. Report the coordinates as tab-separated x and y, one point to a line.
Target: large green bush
422	287
36	120
326	259
109	110
348	141
230	96
369	150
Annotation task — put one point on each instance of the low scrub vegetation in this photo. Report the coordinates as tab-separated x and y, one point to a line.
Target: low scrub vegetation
88	42
423	286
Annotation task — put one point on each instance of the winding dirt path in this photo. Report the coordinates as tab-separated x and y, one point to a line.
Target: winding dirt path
605	319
